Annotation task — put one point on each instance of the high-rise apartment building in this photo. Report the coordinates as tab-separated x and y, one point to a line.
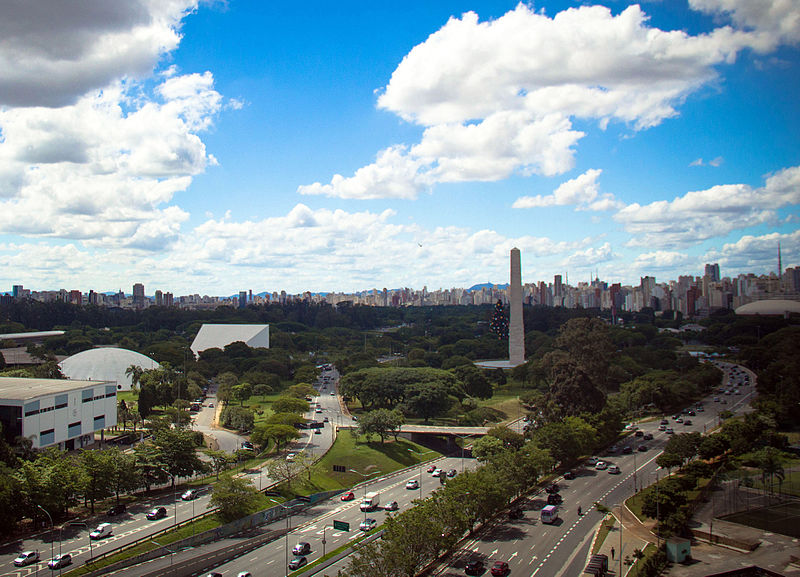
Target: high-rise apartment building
138	295
712	272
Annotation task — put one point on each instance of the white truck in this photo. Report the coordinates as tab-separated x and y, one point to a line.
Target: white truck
371	501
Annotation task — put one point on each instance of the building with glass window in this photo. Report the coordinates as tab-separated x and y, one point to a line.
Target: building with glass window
65	413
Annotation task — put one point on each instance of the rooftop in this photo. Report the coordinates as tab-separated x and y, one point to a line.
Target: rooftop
19	388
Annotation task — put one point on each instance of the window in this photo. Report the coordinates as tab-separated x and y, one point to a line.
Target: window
87	395
99	422
61	401
47	437
32	408
74	429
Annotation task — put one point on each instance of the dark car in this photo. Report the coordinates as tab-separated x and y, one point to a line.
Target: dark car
552	488
214	574
642	448
474	567
569	475
302	548
297	562
648	437
691	413
664	422
687	422
627	450
157	513
554	499
515	513
499	569
116	510
638	434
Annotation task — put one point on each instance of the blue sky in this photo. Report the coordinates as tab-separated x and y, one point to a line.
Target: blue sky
224	146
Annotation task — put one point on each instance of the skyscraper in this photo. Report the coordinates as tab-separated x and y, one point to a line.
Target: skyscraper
138	295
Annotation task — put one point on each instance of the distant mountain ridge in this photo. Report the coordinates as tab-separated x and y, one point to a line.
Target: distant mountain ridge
487	285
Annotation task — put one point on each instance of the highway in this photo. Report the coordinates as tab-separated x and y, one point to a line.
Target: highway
532	548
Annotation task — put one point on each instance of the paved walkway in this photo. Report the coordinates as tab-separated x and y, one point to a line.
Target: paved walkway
620	544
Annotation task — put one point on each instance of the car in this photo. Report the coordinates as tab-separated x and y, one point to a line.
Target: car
26	558
290	456
60	561
662	427
190	495
627	450
302	548
639	434
613	470
333	393
117	509
716	399
679	420
552	488
318	410
724	402
499	569
244	574
592	461
210	405
569	475
664	422
354	417
157	513
297	562
691	413
431	468
452	473
325	420
648	437
248	446
348	496
437	473
687	422
515	513
391	506
317	431
669	431
601	466
103	530
630	427
642	448
554	499
474	567
412	484
676	416
368	524
700	409
213	574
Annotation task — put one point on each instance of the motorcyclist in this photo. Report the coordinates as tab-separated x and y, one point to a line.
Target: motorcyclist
579	510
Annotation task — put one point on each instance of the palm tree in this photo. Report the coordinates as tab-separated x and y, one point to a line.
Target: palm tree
770	461
135	373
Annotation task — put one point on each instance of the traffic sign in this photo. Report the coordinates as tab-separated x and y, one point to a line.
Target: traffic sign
341	525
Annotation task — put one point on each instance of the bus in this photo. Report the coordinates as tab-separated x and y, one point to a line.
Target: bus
549	514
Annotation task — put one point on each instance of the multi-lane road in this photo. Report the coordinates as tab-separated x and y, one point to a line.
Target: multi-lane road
533	548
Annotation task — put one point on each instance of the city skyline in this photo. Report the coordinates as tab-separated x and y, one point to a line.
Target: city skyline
211	147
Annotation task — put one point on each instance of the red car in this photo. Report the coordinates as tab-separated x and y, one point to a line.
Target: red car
431	469
500	568
348	496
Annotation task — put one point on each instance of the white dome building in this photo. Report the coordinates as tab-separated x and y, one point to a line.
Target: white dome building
105	364
769	307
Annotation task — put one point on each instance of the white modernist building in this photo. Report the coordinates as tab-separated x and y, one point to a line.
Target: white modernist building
218	336
105	364
56	411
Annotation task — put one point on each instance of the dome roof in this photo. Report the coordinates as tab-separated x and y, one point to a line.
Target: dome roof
105	364
769	307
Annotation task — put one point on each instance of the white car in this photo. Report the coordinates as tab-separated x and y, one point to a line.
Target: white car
103	530
592	461
291	456
26	558
613	470
601	466
437	473
412	484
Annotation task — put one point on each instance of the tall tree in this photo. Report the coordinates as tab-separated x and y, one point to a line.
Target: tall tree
498	324
235	497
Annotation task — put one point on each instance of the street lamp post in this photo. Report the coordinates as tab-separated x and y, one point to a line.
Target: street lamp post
52	536
286	535
420	469
82	524
366	476
174	492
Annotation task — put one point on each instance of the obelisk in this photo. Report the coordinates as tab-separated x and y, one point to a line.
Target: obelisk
516	330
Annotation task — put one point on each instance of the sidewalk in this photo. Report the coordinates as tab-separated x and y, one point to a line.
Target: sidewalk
621	543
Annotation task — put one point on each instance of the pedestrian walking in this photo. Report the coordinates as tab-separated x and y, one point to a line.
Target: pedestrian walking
612	553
